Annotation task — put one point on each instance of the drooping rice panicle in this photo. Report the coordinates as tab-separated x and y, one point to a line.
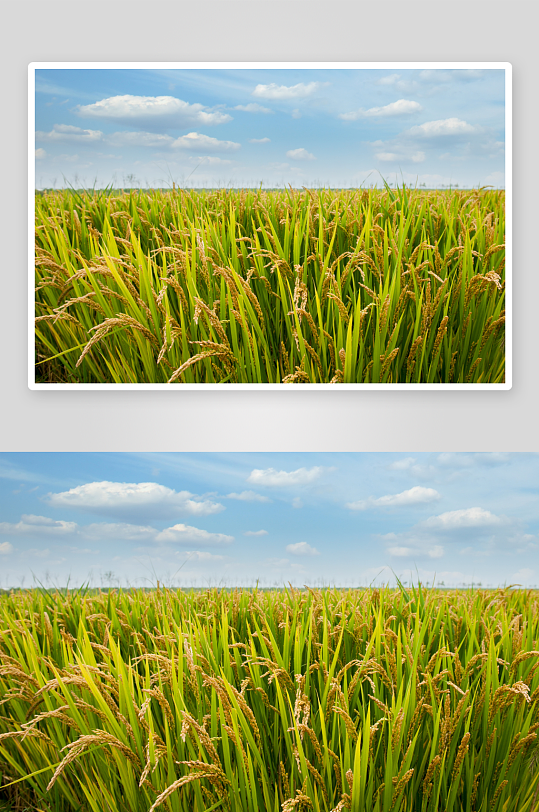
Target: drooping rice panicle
406	285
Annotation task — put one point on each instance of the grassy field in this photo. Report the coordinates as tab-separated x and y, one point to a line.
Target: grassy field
270	701
352	286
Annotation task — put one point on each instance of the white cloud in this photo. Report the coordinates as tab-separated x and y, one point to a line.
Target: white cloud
387	156
248	496
418	157
400	552
297	503
118	498
300	154
256	533
457	519
446	126
34	525
273	478
274	91
203	555
392	79
402	465
402	107
5	548
414	496
66	132
395	80
419	548
203	143
458	460
40	521
435	552
253	108
184	534
259	140
40	153
302	548
158	109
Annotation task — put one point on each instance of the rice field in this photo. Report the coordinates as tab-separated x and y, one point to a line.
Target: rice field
270	287
372	700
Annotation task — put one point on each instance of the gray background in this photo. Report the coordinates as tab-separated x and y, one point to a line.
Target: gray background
297	420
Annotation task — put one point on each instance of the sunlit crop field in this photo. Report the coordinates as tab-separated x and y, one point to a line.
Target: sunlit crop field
270	701
270	287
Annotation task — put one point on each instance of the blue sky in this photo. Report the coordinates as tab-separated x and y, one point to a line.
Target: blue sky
243	127
344	519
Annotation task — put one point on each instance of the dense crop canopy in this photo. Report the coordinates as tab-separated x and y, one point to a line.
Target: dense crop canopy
273	701
357	286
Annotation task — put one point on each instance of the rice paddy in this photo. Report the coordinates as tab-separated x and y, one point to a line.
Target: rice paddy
373	700
270	287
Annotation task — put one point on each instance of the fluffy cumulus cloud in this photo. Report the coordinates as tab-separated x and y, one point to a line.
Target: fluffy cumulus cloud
395	80
299	91
441	127
66	132
108	533
300	154
39	154
452	139
253	107
456	460
403	464
203	555
270	477
402	107
203	143
184	534
31	525
160	110
388	156
142	498
461	519
414	496
259	140
470	531
137	138
431	551
5	548
256	533
248	496
301	548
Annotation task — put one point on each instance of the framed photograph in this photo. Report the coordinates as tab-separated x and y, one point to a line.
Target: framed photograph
326	225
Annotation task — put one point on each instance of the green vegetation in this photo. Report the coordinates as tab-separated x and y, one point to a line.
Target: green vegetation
352	286
270	701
